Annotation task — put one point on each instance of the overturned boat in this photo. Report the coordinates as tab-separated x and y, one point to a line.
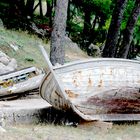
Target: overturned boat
20	81
106	89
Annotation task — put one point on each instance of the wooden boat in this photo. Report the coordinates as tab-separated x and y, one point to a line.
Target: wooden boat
20	81
105	89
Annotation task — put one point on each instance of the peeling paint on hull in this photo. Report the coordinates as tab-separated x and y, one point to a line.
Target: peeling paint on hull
96	89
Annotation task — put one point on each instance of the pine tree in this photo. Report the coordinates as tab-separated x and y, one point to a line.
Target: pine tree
59	30
128	33
114	29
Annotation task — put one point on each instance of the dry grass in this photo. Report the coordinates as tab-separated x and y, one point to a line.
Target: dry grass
28	53
51	132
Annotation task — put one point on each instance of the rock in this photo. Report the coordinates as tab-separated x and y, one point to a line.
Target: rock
70	43
13	63
2	66
57	65
138	58
4	60
3	54
2	129
4	69
14	47
1	24
94	50
72	50
37	30
7	64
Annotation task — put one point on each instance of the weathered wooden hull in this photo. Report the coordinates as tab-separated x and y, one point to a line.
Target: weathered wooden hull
97	89
20	81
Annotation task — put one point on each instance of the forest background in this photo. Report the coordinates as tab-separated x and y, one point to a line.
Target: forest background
113	26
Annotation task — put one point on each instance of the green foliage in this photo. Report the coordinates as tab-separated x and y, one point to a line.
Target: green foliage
127	13
136	36
39	20
75	31
137	33
107	24
49	1
29	59
102	6
75	27
3	7
99	7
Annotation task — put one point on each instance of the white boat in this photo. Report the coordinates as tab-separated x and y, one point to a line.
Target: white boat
106	89
20	81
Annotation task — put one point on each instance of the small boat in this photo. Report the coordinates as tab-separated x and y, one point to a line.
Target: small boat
20	81
106	89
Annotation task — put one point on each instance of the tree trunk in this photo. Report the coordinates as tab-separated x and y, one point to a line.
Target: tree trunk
87	24
68	14
58	34
87	27
92	30
114	29
16	14
40	5
49	11
17	8
128	33
68	28
30	7
49	8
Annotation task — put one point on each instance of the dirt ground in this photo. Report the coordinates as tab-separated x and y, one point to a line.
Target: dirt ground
57	132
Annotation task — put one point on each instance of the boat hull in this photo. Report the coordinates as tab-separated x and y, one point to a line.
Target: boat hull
97	89
20	81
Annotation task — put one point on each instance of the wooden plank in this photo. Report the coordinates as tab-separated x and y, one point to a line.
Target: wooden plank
31	83
12	96
17	73
95	124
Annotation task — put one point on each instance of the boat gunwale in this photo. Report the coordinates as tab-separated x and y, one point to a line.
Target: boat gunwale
77	62
11	89
18	72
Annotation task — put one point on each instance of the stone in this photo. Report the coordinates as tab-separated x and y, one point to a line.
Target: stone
2	129
69	43
94	50
7	64
14	47
3	54
4	60
13	63
4	69
1	24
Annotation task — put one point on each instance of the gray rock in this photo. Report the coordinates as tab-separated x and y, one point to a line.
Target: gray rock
1	24
69	44
2	129
94	50
13	63
4	69
4	60
7	64
3	54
